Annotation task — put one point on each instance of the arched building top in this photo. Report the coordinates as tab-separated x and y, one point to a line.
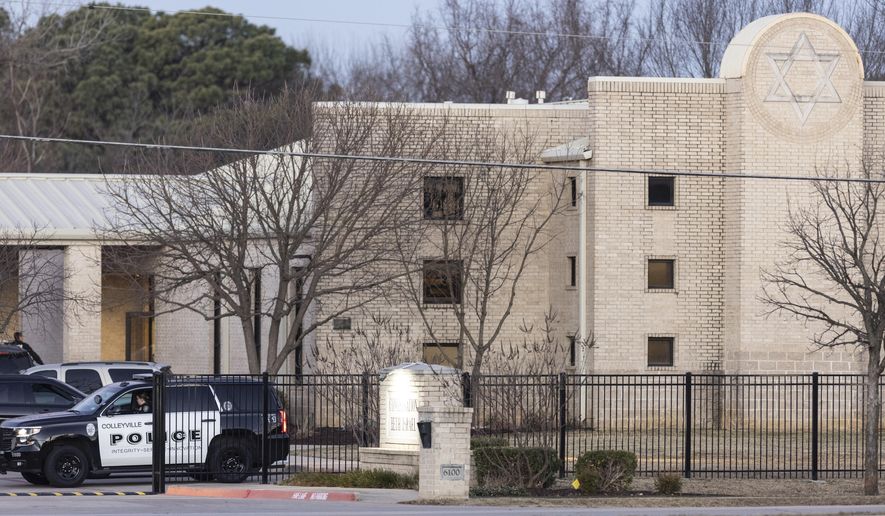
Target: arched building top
801	75
736	59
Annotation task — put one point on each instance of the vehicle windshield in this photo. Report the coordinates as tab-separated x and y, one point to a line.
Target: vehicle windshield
89	404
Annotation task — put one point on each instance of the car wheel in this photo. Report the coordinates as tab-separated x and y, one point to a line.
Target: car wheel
66	466
231	461
35	478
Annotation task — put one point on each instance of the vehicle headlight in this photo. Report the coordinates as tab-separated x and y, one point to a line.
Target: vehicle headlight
24	434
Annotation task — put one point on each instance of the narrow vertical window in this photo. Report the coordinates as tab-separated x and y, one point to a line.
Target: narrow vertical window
573	271
256	317
573	182
216	326
572	350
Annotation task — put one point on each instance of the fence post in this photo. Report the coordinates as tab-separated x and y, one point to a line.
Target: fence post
158	433
364	430
466	390
686	468
815	423
562	422
265	412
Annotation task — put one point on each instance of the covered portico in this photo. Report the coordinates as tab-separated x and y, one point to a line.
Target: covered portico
59	283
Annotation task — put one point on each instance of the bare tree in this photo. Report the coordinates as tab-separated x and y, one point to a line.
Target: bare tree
31	282
476	50
313	229
485	227
834	279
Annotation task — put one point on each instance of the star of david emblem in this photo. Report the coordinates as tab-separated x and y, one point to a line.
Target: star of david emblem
824	65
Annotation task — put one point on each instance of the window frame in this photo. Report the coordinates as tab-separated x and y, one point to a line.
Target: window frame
455	296
648	262
660	205
572	350
438	346
671	339
573	271
427	201
573	184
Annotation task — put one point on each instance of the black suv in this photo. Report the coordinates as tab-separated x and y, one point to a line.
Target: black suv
214	431
14	359
23	395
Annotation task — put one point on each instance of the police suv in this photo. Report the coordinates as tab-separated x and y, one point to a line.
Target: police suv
214	429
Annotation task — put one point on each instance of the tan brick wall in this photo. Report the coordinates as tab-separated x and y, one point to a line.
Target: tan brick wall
661	125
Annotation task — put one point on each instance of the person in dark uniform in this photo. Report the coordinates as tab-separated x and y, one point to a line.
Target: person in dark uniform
142	402
17	340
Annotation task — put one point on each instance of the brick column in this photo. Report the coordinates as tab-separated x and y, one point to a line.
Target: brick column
445	466
82	303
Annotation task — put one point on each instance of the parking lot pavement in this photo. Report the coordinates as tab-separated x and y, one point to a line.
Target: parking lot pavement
14	483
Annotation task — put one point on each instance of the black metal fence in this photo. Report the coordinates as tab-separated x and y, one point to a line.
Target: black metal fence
701	425
260	428
704	425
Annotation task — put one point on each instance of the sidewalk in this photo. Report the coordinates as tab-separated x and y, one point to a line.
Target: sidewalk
295	493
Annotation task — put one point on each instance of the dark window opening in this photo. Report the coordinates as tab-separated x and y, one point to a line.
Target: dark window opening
442	353
444	198
256	318
573	182
572	350
573	271
216	326
660	351
299	303
442	282
660	274
661	191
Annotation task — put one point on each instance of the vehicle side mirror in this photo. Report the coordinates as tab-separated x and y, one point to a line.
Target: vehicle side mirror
97	399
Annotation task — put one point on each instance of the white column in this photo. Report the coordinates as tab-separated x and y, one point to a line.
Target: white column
82	303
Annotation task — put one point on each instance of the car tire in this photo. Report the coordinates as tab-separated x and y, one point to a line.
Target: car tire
38	479
231	460
66	466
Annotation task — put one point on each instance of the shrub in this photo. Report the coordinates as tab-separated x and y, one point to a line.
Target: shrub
488	441
498	491
363	478
668	484
516	467
605	471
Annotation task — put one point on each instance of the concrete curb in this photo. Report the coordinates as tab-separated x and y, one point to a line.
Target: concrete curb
262	494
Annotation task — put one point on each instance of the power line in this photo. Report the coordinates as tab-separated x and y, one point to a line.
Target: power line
444	162
490	30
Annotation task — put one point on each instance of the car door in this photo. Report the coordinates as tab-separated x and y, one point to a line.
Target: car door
125	434
192	421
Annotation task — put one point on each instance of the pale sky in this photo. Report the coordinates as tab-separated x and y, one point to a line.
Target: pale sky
345	37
